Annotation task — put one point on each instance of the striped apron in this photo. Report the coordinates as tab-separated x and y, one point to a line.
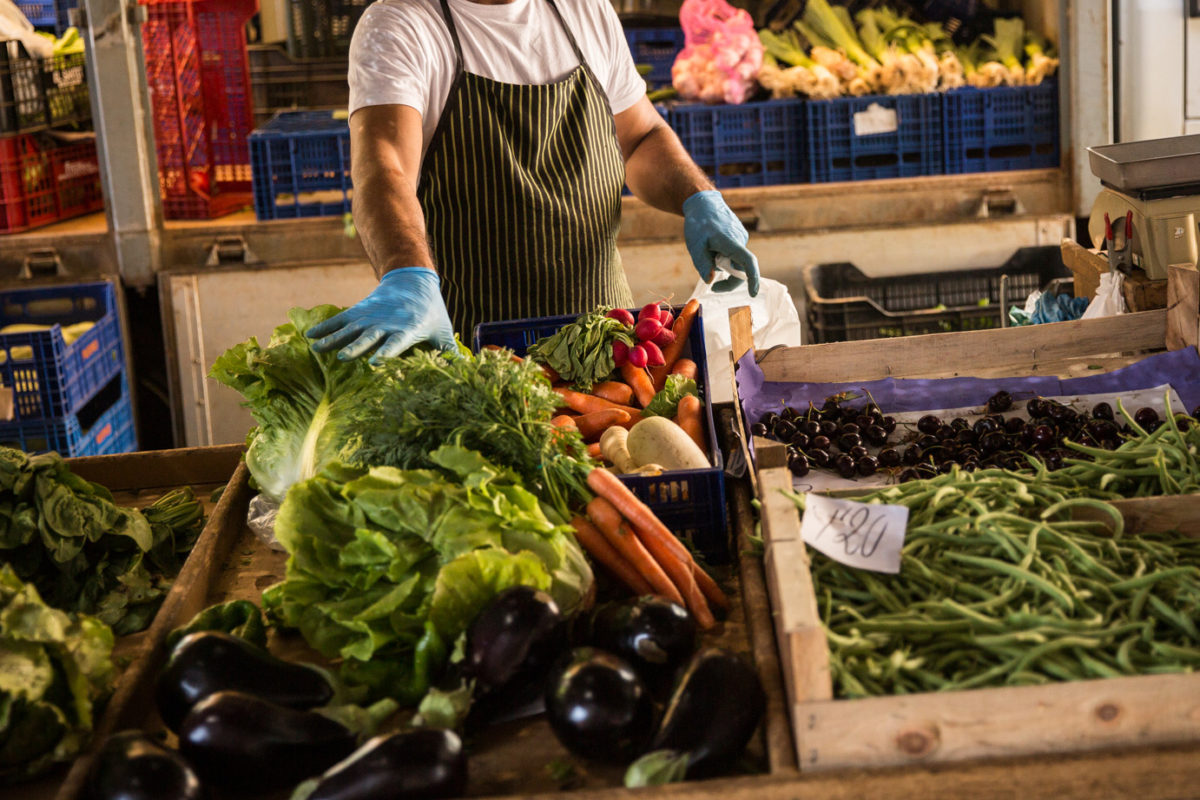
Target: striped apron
521	191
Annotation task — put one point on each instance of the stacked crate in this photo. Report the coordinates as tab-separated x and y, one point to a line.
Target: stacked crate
199	83
49	170
62	362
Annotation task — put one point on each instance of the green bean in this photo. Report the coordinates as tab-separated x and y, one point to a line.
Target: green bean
1011	569
1173	617
1153	578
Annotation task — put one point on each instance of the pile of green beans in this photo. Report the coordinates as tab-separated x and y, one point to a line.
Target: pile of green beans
999	586
1164	461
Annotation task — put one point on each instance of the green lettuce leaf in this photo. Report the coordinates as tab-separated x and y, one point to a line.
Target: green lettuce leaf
666	402
306	404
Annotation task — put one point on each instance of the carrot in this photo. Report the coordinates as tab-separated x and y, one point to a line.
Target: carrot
589	403
671	353
563	421
614	391
593	541
593	424
643	387
685	367
626	542
688	417
594	451
605	484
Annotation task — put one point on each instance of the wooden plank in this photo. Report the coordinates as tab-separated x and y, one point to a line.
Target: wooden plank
802	643
741	331
153	469
1140	293
964	353
959	726
780	517
1153	514
1183	307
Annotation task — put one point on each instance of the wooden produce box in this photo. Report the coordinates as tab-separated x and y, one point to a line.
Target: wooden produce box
960	726
230	562
137	480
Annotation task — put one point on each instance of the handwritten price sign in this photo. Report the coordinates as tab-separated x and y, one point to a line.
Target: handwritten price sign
856	534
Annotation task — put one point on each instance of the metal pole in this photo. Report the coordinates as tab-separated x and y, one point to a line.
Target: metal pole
124	134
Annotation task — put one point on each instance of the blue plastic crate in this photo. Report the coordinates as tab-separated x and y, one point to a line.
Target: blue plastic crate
1008	127
301	166
689	502
49	378
40	13
656	48
836	150
751	144
91	432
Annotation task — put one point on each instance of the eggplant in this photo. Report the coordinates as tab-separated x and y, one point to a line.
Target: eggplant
598	707
133	766
236	739
653	634
418	764
713	712
510	647
208	662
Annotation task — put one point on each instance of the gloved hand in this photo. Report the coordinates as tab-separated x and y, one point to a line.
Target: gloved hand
404	309
710	229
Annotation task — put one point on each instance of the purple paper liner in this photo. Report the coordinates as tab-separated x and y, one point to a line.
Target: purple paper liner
1179	368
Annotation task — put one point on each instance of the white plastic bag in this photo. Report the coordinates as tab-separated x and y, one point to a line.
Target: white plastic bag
1109	300
773	316
15	26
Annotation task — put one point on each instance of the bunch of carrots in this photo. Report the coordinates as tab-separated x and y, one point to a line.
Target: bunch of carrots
621	402
623	534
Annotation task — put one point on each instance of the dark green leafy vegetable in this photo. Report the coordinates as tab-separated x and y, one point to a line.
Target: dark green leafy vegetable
666	402
581	351
387	567
488	403
240	618
84	553
54	667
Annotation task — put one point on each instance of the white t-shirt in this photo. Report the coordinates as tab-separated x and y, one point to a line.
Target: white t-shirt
402	53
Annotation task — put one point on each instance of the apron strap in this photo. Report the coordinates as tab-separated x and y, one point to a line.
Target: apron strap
458	53
566	30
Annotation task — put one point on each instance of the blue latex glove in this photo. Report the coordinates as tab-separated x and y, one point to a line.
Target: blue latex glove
711	229
404	309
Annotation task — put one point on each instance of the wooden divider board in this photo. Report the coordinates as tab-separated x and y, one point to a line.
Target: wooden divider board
959	726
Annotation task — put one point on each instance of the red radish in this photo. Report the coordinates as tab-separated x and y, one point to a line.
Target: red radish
622	316
667	318
647	329
649	311
664	337
637	355
654	356
620	353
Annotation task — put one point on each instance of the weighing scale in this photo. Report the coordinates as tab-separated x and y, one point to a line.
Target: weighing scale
1159	181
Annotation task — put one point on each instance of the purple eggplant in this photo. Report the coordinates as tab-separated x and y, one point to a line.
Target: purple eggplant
598	706
236	739
653	634
716	706
208	662
133	766
419	764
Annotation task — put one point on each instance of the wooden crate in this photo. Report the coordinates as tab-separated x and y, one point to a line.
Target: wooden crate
960	726
138	479
230	562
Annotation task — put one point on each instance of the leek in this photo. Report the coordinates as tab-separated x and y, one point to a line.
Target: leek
1042	64
1007	43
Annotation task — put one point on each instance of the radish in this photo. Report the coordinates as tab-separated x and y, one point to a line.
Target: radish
667	318
637	356
622	316
649	311
647	329
664	337
620	353
654	356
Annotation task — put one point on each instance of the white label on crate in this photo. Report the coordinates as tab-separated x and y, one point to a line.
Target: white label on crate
861	535
876	119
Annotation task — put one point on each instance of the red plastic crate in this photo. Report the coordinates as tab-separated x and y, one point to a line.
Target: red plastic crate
44	180
199	81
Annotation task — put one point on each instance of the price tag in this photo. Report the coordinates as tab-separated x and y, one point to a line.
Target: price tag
857	534
875	120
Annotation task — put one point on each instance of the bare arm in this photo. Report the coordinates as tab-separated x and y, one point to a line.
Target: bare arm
657	168
385	142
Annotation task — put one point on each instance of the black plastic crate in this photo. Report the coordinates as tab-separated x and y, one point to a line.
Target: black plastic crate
322	28
844	304
279	82
691	503
37	93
